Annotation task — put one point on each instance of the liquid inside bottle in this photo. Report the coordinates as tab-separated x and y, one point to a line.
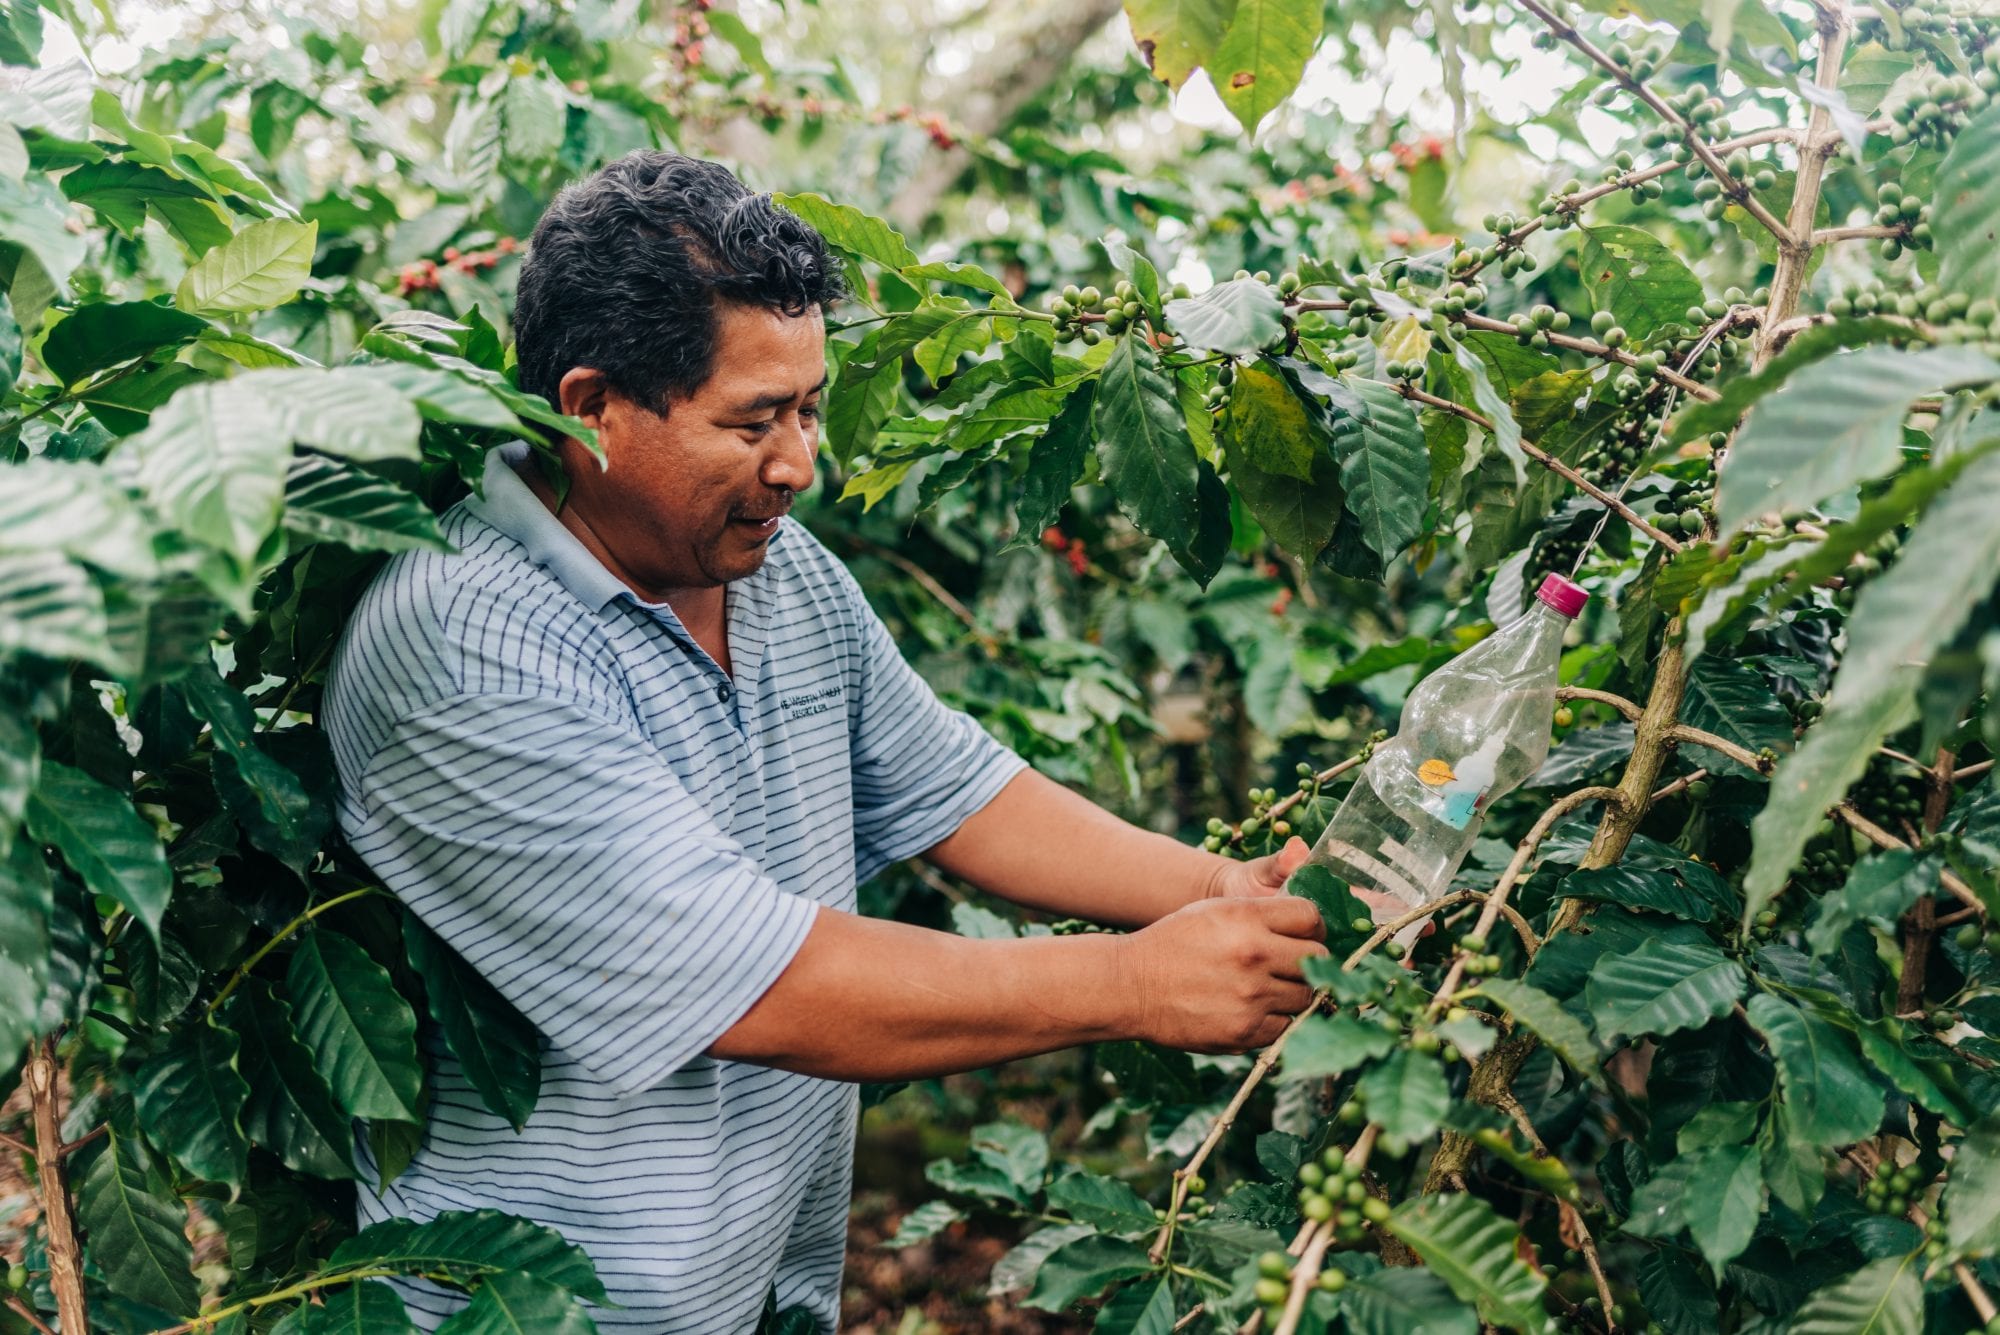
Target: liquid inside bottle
1470	733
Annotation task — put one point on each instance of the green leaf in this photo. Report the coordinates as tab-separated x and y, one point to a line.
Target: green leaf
1383	463
262	266
1932	1082
1143	448
513	1304
362	1033
329	501
1020	1152
79	510
106	333
1406	1094
26	901
1274	451
1262	56
1013	1272
191	1099
364	413
1472	1249
1083	1269
1334	1045
1056	463
1735	395
470	1245
1104	1203
1141	1309
1834	424
290	1110
1876	891
1680	888
1177	37
1662	988
1884	1297
35	216
1733	701
1338	908
532	112
137	1229
1563	1033
1965	209
937	356
368	1308
1947	566
1506	430
1404	1302
1723	1200
1632	274
1972	1191
1677	1293
266	797
1830	1098
1831	756
103	840
50	607
497	1049
926	1222
213	462
1238	317
849	229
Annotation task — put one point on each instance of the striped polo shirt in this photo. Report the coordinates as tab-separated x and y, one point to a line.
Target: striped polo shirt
631	844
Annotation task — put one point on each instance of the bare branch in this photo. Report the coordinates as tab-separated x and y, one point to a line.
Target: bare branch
1625	707
1681	734
1828	235
28	1314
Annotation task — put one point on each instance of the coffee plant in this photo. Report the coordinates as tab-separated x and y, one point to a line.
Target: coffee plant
1702	1040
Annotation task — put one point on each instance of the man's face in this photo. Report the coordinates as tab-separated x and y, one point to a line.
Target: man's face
691	499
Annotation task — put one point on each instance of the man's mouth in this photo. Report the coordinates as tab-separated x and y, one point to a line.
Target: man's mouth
761	524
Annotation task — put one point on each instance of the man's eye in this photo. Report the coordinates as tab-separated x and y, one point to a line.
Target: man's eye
811	410
757	428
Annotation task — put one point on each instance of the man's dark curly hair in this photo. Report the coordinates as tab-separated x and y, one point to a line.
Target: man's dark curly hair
626	269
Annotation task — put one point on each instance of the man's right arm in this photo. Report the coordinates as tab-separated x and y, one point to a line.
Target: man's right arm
870	1000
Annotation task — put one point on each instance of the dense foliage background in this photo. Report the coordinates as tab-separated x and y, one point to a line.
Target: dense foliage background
1215	371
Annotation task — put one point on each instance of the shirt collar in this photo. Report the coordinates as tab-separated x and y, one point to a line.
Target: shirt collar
510	506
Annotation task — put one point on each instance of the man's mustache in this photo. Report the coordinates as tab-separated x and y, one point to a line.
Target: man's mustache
760	515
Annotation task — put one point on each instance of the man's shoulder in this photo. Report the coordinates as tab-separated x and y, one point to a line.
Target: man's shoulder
481	618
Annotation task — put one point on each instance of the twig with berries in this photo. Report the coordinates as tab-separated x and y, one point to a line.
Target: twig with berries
1707	112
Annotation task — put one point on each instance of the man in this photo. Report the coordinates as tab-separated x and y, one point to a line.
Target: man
630	754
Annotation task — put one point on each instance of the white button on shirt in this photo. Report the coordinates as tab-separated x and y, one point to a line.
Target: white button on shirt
631	844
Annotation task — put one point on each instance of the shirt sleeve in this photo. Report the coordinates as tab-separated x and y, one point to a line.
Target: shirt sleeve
565	862
920	768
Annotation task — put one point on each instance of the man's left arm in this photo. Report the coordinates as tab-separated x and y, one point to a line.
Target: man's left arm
1044	847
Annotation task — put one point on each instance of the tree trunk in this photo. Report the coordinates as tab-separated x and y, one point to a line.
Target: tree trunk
65	1256
1005	81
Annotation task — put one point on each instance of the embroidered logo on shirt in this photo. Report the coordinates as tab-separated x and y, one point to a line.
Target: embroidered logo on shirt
808	703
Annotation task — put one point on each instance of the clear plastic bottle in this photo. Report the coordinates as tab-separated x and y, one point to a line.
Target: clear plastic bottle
1470	733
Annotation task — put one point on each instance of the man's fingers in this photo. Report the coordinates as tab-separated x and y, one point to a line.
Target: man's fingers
1291	963
1290	999
1292	916
1289	858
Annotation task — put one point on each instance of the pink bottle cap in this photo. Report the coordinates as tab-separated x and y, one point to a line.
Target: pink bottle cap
1564	595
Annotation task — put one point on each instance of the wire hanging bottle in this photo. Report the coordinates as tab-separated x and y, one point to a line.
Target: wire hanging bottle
1470	733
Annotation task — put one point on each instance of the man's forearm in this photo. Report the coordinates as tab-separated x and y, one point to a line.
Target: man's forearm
871	1000
1043	847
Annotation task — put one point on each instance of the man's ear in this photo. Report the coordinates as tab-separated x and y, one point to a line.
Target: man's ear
582	392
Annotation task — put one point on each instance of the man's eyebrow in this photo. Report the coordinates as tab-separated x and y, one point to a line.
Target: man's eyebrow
775	399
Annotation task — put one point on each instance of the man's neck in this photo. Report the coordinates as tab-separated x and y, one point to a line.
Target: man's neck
701	609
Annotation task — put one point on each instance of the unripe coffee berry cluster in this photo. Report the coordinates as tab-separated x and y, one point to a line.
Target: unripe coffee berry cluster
1936	106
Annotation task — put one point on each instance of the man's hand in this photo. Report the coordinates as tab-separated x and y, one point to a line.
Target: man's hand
1221	975
1261	877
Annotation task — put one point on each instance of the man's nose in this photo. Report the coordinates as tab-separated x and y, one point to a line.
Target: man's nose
793	456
